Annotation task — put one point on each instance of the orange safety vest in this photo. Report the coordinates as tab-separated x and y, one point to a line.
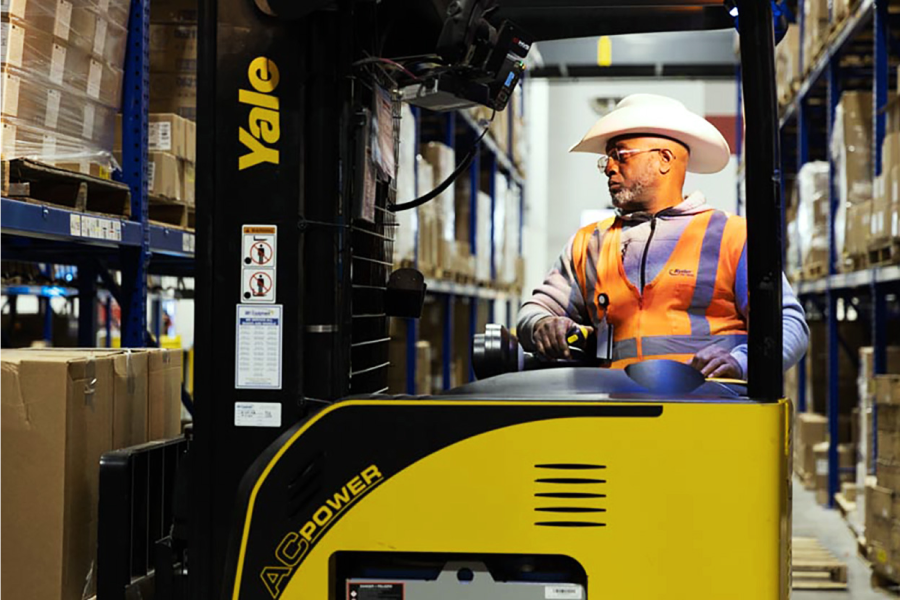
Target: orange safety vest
689	306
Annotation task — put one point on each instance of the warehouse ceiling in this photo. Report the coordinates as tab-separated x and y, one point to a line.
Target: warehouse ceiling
708	54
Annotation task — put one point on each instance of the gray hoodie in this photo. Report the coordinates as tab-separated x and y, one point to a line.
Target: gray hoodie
560	294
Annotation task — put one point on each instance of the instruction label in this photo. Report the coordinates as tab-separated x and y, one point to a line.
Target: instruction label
375	591
258	263
258	347
257	414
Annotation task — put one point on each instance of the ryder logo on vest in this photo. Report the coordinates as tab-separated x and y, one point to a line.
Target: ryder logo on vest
681	273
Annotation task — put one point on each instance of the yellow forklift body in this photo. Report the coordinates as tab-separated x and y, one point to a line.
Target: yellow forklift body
692	503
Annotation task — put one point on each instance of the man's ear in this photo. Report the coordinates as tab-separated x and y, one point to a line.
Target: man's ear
666	157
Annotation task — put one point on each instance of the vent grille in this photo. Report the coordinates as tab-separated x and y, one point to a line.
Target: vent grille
584	498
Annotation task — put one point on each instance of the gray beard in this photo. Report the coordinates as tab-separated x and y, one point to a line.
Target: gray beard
624	199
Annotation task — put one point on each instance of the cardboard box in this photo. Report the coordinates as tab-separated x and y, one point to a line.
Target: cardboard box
174	93
188	193
867	365
880	501
173	48
51	16
812	429
164	178
442	158
846	462
166	133
34	51
888	475
164	397
888	442
848	491
190	141
57	420
816	26
887	390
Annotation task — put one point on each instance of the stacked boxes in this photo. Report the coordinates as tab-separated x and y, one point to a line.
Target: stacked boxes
787	64
62	80
866	386
812	217
885	222
407	223
173	57
442	159
812	429
61	410
172	145
851	150
846	474
883	496
815	30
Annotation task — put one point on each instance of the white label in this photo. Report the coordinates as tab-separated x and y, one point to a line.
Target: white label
100	37
48	146
159	136
87	129
57	64
151	175
75	225
99	229
13	44
51	117
258	347
188	242
63	19
257	414
822	466
94	79
563	591
10	94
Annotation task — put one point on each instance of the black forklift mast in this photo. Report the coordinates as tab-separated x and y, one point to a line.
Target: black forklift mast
280	109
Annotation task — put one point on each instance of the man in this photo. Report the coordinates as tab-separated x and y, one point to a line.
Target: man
674	270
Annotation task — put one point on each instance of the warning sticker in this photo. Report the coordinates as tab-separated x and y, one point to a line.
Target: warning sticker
258	352
259	286
375	591
259	244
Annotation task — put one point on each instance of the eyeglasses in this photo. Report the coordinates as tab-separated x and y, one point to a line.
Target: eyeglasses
621	156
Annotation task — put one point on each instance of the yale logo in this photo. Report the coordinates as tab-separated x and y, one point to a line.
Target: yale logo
264	122
296	544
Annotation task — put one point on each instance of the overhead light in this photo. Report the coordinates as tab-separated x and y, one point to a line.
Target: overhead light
734	11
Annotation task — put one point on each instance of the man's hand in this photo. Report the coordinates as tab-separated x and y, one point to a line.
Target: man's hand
550	336
715	361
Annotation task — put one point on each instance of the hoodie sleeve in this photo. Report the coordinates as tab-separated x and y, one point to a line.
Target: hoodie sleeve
559	296
795	331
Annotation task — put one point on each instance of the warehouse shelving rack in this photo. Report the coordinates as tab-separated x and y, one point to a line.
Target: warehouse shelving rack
866	67
459	130
96	243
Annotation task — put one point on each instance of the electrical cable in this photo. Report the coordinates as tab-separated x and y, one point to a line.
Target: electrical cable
387	62
450	179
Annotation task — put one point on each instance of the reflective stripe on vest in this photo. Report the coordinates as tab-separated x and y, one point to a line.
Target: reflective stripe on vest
674	344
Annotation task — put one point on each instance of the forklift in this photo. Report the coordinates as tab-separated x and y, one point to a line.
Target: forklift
306	481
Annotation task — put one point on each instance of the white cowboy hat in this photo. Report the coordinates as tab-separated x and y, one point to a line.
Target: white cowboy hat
658	115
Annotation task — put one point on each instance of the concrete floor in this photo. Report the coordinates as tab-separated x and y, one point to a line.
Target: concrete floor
812	520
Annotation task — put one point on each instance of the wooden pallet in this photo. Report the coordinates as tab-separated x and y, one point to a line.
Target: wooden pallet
814	567
32	181
166	212
854	262
884	252
881	581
